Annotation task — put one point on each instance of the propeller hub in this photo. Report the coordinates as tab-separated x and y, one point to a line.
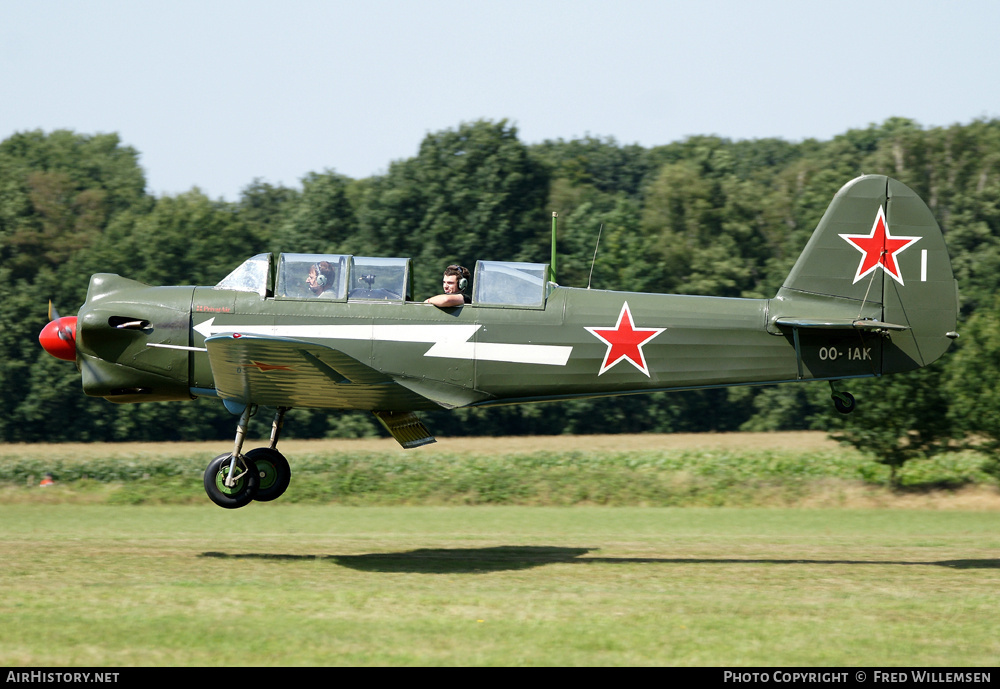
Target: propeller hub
58	338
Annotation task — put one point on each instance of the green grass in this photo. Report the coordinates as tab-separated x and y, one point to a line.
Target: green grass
287	584
651	477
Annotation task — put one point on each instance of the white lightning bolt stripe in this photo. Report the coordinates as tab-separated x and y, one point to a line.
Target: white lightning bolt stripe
449	341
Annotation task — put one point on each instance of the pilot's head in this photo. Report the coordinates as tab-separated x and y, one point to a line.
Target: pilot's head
320	277
456	279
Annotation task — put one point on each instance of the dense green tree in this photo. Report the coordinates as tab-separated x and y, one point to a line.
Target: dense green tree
899	418
187	239
471	192
793	407
600	164
709	232
705	215
971	380
57	194
263	207
321	220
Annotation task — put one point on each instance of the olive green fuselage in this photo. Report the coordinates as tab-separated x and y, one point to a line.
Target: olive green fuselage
469	355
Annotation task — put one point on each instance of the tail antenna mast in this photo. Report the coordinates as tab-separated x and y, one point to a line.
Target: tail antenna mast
594	260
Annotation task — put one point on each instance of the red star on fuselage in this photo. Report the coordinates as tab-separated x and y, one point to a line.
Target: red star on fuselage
879	249
625	341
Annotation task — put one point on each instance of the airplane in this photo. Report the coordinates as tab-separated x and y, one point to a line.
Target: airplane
871	294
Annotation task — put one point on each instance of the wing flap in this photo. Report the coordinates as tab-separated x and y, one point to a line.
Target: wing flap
406	428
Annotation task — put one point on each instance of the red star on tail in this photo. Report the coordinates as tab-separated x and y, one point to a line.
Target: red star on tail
879	248
625	341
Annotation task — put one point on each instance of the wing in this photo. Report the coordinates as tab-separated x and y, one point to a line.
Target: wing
282	372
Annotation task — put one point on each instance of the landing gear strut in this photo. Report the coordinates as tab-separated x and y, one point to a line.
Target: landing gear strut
272	467
233	479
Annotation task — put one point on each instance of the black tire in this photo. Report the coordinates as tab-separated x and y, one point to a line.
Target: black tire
273	473
240	494
844	402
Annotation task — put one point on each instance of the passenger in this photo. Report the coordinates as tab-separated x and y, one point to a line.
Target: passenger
456	281
321	278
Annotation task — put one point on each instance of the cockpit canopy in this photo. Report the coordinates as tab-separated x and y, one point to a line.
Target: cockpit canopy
328	276
302	276
340	277
380	279
506	283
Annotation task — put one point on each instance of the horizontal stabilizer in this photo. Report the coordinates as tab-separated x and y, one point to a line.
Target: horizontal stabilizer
405	427
839	324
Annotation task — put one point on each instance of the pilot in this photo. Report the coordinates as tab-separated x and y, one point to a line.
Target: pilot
320	278
456	281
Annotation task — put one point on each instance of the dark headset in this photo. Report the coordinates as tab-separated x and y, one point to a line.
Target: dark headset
463	282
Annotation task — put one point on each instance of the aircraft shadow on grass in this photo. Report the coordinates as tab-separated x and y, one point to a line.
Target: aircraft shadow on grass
952	564
438	560
504	558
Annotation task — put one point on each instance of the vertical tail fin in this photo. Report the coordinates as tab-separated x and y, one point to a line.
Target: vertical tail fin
878	254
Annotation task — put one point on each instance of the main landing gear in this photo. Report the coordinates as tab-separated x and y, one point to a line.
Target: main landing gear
234	479
843	402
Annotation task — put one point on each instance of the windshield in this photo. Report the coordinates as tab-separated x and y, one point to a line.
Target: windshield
251	276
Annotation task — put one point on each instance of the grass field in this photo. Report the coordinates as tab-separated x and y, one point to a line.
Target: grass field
734	470
386	569
321	585
803	441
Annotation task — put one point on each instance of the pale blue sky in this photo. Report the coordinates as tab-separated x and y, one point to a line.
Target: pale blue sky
214	93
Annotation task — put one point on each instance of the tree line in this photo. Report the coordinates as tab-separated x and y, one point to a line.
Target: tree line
705	215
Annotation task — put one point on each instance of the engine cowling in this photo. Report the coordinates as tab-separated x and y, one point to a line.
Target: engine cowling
130	340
